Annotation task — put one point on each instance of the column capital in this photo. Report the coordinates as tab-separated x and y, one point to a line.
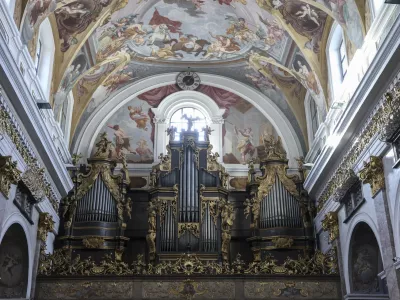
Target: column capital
373	173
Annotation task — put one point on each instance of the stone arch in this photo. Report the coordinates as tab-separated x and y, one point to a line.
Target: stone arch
85	138
14	259
364	261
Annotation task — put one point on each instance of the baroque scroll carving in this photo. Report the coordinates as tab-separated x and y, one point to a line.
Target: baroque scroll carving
330	224
9	174
373	174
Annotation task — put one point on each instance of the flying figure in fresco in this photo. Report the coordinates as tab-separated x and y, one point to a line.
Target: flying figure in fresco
308	11
121	140
245	145
222	46
239	29
140	118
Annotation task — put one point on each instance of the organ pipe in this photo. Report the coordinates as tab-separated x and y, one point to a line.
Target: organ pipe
279	208
97	205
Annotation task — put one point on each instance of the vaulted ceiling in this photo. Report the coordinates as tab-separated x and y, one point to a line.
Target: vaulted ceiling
276	46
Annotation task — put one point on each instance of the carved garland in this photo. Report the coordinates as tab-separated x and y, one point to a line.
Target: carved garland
378	123
193	228
60	263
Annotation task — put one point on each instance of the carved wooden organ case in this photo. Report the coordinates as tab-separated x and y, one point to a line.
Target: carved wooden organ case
95	211
188	206
280	209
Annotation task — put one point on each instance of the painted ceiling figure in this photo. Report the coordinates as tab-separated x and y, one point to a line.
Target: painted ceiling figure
40	7
122	141
245	145
74	18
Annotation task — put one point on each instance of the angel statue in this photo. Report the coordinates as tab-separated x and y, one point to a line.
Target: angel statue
190	120
273	148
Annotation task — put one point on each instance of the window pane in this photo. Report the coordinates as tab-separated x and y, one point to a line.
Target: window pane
181	123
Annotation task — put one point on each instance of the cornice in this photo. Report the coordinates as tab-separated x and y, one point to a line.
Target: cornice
20	82
365	97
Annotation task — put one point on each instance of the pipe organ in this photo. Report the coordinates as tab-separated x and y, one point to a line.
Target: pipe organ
94	212
188	207
281	213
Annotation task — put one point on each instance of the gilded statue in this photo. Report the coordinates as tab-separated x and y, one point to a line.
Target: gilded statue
151	232
273	148
252	207
103	147
227	218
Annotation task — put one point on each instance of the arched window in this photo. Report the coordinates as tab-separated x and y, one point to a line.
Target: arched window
180	122
376	6
45	56
337	58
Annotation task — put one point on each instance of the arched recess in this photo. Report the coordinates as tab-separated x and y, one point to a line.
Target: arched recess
365	261
85	138
14	262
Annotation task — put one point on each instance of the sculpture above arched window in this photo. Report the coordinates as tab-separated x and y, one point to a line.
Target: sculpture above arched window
187	117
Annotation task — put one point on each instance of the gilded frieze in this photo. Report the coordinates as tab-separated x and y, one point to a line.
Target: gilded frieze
7	126
378	123
60	263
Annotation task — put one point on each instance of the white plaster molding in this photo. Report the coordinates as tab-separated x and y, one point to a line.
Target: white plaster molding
21	83
366	95
86	137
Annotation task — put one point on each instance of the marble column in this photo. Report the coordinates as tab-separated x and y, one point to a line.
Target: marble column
387	244
336	244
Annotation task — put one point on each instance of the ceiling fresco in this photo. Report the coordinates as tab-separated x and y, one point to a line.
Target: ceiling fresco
275	46
194	31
